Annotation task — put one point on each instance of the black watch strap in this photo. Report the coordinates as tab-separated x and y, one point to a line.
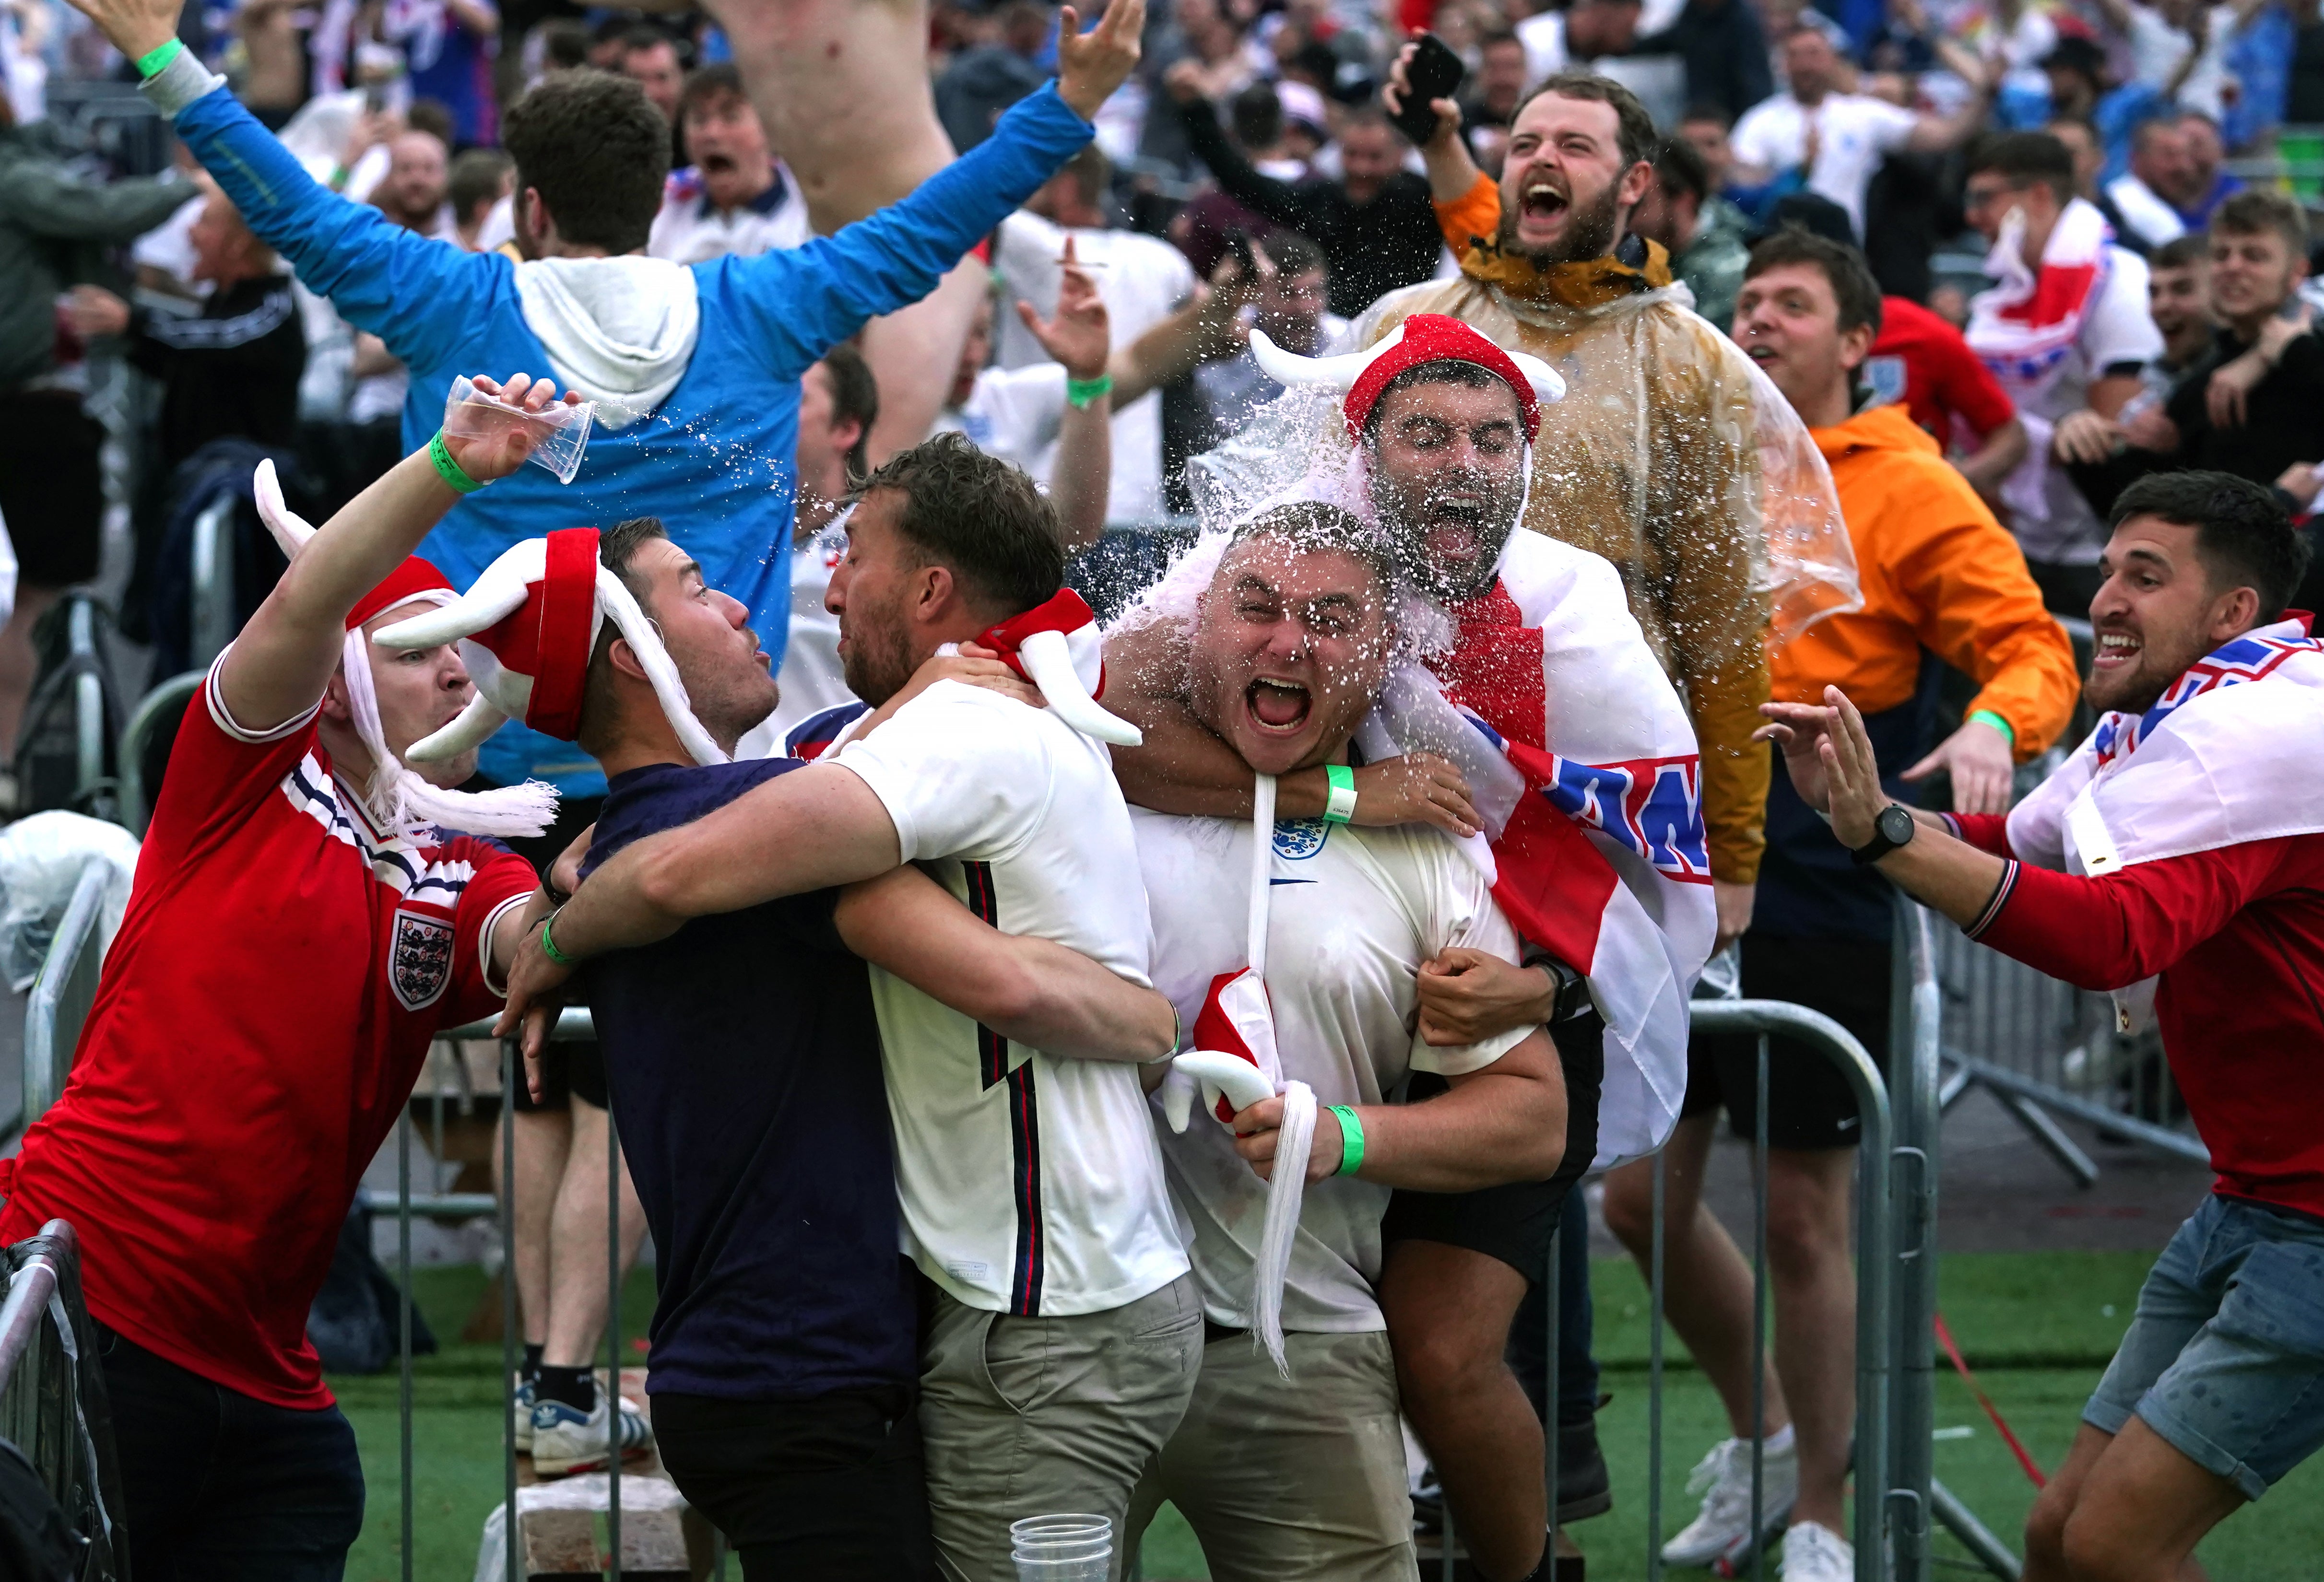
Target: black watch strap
1882	841
1571	995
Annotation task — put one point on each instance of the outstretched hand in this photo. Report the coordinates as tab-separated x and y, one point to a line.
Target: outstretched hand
1079	336
1091	65
535	995
499	440
1798	730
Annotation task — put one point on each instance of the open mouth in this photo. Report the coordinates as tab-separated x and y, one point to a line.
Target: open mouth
1543	202
718	164
2115	650
1278	707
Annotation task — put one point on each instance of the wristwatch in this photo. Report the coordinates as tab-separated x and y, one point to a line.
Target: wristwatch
1892	829
1571	995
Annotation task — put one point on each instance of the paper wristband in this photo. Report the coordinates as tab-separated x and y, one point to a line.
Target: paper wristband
1082	392
152	64
1352	1140
448	469
1987	717
1340	805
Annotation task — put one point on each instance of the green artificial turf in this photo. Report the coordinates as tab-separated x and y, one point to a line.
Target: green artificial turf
2036	1326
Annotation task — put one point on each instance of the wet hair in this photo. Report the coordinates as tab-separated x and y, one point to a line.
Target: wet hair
2182	252
1680	168
1852	285
2243	534
618	545
706	83
475	180
854	393
979	517
1635	132
598	152
1316	527
2026	157
2255	211
1442	370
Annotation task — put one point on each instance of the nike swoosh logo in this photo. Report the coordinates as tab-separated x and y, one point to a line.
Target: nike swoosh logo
1291	881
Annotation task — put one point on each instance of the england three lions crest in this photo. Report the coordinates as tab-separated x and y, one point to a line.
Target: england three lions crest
419	961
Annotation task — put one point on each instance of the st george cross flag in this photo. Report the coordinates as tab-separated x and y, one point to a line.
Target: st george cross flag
2233	752
1583	763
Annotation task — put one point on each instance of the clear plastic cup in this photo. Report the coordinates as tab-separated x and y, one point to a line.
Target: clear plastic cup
1069	1524
1091	1560
561	432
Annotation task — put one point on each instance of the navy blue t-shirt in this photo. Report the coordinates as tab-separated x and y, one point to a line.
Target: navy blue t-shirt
743	1056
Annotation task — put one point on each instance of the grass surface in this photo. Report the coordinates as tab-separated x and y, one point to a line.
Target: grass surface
2038	1328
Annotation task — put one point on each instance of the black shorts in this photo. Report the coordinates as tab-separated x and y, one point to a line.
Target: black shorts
568	1071
1515	1221
831	1489
1810	1104
52	486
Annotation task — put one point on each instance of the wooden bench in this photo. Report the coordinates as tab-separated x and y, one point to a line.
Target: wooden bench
663	1539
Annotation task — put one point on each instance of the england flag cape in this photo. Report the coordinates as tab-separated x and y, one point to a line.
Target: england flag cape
2233	752
1580	758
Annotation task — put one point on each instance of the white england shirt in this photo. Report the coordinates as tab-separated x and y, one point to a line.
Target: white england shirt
691	229
1352	914
1031	1184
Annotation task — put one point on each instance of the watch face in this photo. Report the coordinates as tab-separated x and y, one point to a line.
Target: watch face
1894	824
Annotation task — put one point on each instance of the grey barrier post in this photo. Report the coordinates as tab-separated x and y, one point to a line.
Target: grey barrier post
165	702
63	992
1914	1042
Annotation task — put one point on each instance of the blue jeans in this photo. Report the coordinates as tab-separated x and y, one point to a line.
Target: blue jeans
2225	1356
222	1488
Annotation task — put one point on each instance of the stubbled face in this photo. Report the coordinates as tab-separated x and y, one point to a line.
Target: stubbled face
871	595
727	143
2156	613
709	638
2253	274
1787	321
414	184
1447	477
1288	650
2178	301
1811	65
420	693
1291	309
1564	185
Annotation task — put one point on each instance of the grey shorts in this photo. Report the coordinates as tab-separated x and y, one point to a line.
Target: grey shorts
2225	1356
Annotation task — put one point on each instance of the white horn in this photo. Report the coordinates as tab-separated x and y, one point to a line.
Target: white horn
1546	384
1050	663
289	528
477	721
1290	368
1243	1083
490	602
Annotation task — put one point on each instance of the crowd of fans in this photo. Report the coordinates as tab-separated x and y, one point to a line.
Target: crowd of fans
1992	262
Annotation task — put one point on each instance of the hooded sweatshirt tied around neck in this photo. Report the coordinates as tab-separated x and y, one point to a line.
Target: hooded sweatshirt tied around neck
695	367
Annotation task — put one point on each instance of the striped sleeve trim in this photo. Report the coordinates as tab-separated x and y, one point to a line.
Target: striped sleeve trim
223	334
485	943
1953	825
235	728
1993	906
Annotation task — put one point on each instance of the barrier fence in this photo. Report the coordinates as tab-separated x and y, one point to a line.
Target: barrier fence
53	1400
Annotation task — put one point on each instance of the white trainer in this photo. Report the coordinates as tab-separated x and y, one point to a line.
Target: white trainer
1813	1552
566	1440
1724	1478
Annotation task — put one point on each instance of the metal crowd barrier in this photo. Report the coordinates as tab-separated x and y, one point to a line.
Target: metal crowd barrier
51	1398
63	994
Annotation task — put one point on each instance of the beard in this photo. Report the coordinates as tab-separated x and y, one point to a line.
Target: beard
1590	231
878	661
1413	509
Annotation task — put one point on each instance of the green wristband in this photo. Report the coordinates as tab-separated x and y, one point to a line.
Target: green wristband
1340	802
1987	717
151	64
1082	392
548	946
448	469
1352	1140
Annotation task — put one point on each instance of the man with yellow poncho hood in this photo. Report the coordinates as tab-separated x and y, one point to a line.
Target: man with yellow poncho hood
1672	457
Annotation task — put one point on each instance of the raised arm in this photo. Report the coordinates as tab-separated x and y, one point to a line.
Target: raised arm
372	269
1452	172
278	667
1031	992
37	197
1278	200
1079	338
809	298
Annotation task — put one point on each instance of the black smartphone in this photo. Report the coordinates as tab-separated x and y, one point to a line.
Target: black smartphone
1434	73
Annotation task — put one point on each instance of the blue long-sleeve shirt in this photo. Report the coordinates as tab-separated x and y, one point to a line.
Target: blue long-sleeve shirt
716	460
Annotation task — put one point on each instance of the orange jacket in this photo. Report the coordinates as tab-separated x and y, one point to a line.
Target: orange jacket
1940	573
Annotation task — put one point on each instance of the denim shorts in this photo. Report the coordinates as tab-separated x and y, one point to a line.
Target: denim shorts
2225	1356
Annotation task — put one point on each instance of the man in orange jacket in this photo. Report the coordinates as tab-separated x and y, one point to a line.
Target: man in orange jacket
1941	580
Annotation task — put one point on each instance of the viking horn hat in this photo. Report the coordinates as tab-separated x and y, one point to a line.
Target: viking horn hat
1423	337
527	628
1055	646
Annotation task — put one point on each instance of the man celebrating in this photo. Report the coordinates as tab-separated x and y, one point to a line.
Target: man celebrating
1289	649
1672	461
2175	860
694	369
1064	1331
299	930
1939	576
734	198
1599	852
